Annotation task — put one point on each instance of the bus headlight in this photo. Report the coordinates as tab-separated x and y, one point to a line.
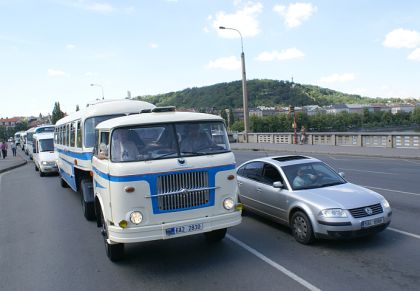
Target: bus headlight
136	217
228	203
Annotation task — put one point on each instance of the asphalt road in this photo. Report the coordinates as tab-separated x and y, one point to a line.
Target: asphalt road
45	243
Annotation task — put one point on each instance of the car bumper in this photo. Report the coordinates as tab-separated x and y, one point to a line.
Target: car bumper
49	169
157	232
351	228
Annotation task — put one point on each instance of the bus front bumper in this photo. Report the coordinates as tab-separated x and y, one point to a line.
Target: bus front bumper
169	230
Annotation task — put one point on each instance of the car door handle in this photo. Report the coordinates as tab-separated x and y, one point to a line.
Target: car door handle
240	183
259	189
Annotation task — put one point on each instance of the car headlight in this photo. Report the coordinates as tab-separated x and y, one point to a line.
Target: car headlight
385	204
136	217
333	213
44	163
228	203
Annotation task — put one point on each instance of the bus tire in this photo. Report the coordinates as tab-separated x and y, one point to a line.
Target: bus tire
114	252
41	174
63	183
215	235
36	169
87	207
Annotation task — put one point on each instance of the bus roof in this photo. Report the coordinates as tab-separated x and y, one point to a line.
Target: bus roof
44	135
107	107
157	117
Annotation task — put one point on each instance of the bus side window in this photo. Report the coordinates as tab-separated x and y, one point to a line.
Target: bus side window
72	135
79	134
103	150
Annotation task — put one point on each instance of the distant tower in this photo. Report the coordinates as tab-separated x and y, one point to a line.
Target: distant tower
128	94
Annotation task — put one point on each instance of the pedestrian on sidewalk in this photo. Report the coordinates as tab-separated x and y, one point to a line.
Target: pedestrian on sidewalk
13	147
3	148
302	135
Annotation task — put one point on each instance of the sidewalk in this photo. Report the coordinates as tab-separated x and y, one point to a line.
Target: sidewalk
333	150
11	162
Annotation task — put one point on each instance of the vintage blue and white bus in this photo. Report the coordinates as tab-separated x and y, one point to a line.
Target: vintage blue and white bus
29	144
74	140
163	174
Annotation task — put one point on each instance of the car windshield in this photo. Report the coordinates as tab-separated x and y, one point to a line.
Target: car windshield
46	145
161	141
311	175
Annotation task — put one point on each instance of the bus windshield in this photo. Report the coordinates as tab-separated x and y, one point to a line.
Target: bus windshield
90	124
168	141
45	129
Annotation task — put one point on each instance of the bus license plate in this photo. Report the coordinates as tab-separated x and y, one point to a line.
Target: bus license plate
184	229
372	222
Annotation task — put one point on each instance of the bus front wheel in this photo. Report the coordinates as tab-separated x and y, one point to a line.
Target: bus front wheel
215	235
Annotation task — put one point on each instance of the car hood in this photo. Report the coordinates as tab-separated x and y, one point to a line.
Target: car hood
345	196
48	156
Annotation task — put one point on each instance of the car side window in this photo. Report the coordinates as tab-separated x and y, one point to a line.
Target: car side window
253	171
270	175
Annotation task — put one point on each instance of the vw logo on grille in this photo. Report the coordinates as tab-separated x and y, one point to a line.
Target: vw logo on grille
181	161
368	211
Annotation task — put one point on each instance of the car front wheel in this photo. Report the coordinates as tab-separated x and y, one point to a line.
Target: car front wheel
302	228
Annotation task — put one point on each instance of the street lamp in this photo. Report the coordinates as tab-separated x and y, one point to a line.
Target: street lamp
244	89
102	88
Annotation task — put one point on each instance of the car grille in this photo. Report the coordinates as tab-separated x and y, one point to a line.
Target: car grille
364	211
182	190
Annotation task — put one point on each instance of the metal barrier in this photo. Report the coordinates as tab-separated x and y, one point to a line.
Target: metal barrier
353	139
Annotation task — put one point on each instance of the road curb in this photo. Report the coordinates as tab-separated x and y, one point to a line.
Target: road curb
24	162
325	152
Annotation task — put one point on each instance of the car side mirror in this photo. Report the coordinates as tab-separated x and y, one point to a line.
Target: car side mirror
342	175
34	150
278	184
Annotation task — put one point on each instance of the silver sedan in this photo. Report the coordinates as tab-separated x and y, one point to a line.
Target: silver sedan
311	198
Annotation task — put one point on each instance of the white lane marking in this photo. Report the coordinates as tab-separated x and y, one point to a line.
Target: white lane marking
390	190
404	232
365	171
273	264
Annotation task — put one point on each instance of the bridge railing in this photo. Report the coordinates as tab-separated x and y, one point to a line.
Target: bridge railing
354	139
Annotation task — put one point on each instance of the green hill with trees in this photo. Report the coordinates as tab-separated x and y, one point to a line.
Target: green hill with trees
260	93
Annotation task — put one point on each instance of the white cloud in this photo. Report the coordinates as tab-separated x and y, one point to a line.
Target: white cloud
415	55
153	45
89	74
70	46
228	63
288	54
402	38
56	73
100	7
245	20
295	14
338	78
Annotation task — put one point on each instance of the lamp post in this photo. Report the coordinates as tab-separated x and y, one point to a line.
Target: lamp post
102	88
244	88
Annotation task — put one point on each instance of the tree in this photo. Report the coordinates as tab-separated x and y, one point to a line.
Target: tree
231	117
57	113
223	114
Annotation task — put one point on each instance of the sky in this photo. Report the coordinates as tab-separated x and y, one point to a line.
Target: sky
53	50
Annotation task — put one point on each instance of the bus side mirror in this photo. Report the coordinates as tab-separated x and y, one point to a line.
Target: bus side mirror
103	151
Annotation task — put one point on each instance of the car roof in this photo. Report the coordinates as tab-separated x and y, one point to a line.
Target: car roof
285	160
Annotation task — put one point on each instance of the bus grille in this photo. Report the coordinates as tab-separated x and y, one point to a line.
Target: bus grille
366	211
182	190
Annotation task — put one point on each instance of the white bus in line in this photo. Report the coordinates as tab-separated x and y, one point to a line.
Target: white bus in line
161	175
29	147
44	156
74	140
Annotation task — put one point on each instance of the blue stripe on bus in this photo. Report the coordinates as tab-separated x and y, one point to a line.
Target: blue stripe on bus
152	180
70	180
81	156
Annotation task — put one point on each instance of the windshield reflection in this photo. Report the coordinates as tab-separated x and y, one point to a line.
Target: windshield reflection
311	175
168	141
